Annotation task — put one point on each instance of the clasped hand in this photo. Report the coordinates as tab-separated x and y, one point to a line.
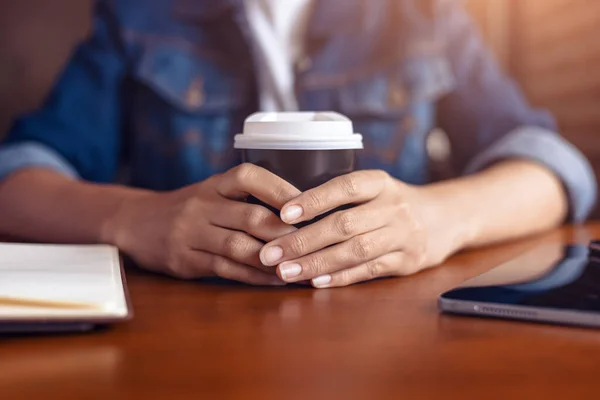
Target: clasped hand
208	229
382	235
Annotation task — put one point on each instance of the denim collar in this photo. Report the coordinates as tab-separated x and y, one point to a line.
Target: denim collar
328	17
204	9
331	17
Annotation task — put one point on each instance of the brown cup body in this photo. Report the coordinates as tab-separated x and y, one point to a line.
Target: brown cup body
305	169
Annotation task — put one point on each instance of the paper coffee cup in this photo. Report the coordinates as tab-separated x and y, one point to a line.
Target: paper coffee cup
306	149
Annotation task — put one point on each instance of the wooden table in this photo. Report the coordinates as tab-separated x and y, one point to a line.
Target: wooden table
381	340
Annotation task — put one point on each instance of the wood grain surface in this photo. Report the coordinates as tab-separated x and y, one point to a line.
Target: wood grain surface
379	340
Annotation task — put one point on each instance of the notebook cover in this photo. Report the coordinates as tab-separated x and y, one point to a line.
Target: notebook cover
71	324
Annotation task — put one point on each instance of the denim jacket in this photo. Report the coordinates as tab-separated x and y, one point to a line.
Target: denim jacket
161	87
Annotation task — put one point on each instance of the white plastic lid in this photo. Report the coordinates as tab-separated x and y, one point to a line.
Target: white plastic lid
298	131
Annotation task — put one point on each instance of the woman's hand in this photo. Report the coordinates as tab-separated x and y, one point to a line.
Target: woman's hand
206	229
388	233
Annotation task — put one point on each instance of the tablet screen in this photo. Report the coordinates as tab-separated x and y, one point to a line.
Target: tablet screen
569	280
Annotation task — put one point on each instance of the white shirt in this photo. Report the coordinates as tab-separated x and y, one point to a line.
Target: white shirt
278	28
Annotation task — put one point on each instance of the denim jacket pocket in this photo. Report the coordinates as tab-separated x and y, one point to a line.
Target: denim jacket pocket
389	93
394	109
191	82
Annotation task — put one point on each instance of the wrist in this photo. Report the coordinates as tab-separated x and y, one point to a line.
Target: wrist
117	229
446	215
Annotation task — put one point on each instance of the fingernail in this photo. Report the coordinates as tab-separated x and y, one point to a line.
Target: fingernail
271	255
291	213
322	281
290	271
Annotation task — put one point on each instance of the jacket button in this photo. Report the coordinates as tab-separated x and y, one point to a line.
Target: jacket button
438	145
303	64
408	123
191	137
195	95
396	96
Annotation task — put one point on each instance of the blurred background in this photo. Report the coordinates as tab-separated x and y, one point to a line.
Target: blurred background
552	47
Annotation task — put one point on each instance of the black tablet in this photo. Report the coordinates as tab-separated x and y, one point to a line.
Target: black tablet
552	283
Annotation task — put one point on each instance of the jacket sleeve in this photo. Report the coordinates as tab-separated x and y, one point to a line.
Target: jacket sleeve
77	129
488	119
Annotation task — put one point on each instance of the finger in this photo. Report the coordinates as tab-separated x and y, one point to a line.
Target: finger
354	188
198	261
250	218
249	179
235	245
392	264
228	269
335	228
355	251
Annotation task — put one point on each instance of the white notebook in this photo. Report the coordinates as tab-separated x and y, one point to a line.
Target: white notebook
45	284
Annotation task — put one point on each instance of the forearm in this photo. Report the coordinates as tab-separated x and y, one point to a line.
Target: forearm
508	200
41	205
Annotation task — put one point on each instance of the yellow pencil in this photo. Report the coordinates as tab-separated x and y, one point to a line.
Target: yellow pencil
6	301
